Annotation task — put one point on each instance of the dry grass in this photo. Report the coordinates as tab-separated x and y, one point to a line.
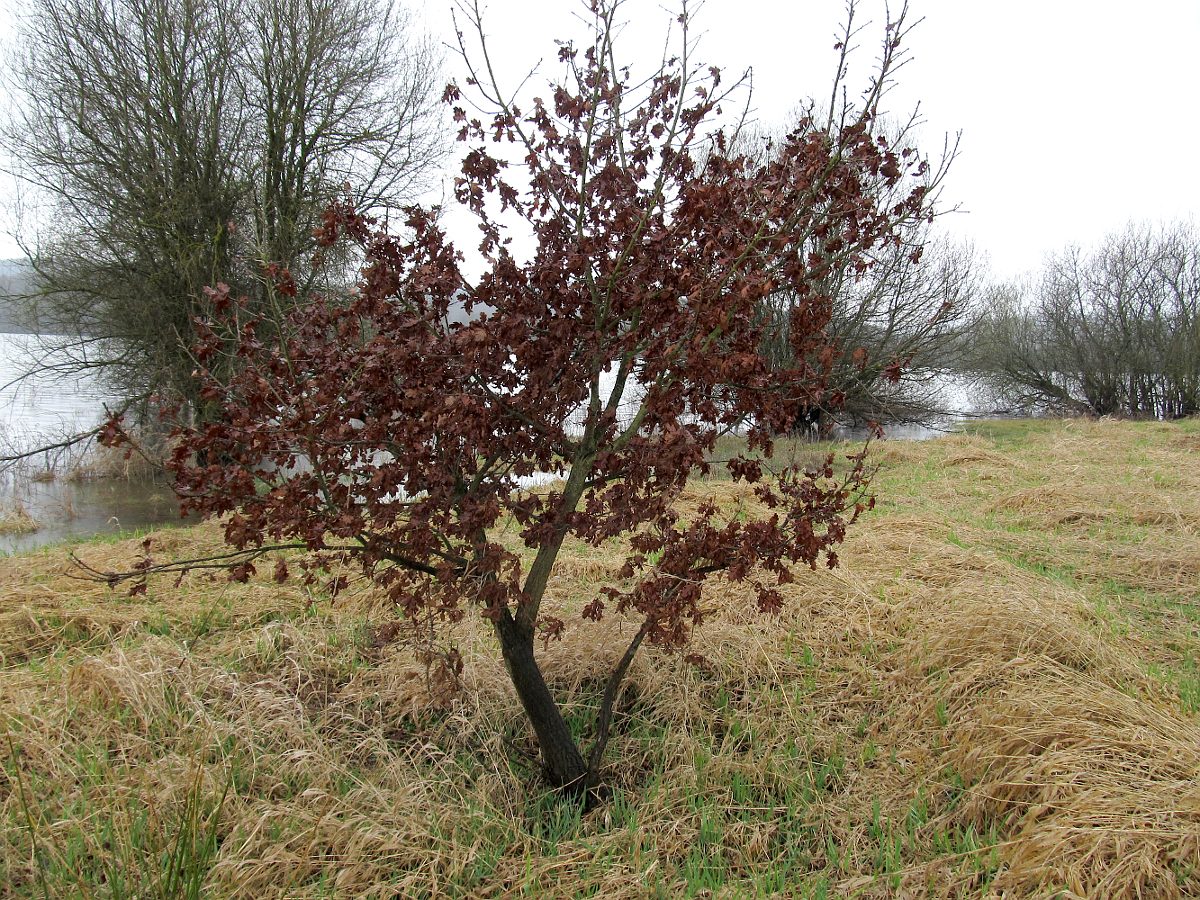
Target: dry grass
14	519
988	698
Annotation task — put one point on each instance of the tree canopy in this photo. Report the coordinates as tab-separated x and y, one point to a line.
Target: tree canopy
172	143
383	432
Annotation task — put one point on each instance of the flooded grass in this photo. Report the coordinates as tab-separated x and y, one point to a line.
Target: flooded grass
82	509
16	520
994	695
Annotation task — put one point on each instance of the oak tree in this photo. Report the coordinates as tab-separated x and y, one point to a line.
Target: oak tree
390	433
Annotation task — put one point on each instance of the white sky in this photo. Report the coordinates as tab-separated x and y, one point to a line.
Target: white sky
1076	116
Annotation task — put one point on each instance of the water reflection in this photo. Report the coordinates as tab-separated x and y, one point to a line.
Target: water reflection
38	410
898	432
66	510
46	404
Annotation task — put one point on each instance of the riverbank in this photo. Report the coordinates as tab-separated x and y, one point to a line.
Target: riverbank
998	691
50	512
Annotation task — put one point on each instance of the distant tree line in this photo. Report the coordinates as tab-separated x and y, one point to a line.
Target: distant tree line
181	143
1110	331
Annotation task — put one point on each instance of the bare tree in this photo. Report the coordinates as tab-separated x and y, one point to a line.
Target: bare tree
340	103
898	330
125	122
896	321
1114	331
1014	357
182	142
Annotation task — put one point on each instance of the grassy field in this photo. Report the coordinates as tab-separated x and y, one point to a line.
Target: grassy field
996	694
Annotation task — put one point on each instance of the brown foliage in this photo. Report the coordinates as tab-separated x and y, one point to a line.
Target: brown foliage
383	432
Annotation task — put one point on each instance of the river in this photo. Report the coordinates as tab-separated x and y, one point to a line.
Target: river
47	489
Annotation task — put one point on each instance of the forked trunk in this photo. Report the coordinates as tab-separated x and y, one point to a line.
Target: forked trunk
563	763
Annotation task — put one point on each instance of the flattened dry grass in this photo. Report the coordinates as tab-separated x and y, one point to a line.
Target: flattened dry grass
988	698
14	519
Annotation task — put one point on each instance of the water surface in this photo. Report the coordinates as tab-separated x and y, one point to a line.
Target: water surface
35	411
74	510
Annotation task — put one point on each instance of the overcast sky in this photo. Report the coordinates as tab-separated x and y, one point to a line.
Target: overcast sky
1075	116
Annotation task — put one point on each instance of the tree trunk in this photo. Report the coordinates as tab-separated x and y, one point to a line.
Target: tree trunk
563	763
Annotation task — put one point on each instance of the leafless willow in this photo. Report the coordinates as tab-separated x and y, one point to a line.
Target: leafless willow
174	143
1110	331
897	325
